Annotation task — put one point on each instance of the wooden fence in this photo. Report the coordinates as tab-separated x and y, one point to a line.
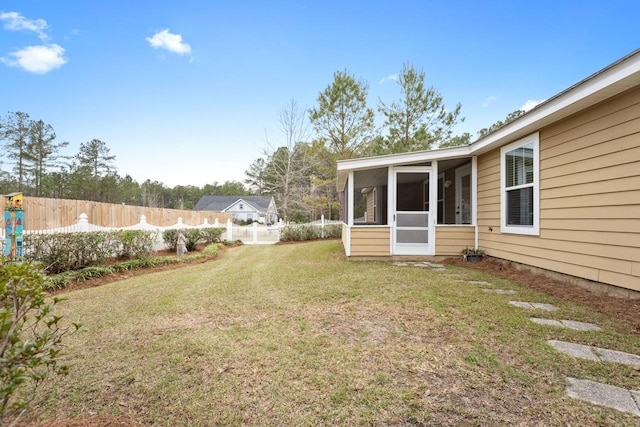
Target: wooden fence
43	213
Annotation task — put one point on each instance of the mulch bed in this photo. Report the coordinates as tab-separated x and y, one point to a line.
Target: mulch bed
624	309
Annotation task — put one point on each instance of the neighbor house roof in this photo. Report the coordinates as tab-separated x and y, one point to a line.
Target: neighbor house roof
220	203
606	83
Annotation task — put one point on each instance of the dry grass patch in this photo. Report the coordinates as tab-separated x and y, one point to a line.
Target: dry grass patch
295	335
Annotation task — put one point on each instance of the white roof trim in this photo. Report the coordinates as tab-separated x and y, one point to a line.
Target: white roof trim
403	158
238	202
606	83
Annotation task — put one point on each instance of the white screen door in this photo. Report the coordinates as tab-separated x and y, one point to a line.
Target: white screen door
412	222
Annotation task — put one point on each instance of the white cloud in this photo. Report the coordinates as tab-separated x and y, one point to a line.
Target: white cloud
16	22
37	59
530	104
490	100
390	77
171	42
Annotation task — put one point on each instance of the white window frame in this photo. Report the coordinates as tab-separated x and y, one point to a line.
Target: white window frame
532	230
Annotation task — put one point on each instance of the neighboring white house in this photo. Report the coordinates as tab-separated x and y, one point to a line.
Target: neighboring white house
260	209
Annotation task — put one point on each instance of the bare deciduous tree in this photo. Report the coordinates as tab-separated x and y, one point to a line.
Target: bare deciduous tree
288	165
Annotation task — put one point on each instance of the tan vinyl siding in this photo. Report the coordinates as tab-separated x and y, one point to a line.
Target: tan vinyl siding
370	241
450	240
589	197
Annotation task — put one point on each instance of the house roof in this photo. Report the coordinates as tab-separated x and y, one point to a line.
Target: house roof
606	83
220	203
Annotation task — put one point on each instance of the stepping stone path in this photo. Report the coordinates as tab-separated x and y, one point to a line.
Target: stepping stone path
590	391
595	353
534	305
570	324
501	291
595	392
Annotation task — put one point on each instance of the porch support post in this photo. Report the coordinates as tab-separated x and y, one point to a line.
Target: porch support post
433	203
391	206
350	197
474	196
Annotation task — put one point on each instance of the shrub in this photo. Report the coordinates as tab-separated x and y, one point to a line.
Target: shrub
211	234
30	334
170	238
211	249
472	251
193	236
136	243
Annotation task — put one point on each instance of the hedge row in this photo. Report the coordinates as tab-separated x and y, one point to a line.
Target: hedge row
60	252
291	233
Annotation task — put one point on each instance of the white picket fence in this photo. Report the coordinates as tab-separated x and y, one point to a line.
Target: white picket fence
254	234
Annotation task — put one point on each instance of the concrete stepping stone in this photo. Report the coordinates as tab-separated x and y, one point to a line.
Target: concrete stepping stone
479	283
574	350
421	264
543	306
617	356
570	324
595	353
501	291
604	395
424	264
534	305
580	326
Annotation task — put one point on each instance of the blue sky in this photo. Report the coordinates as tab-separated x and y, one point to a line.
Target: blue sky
188	92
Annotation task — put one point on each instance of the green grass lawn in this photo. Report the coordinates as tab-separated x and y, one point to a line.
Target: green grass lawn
296	335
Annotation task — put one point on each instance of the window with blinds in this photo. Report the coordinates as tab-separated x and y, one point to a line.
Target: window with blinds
519	186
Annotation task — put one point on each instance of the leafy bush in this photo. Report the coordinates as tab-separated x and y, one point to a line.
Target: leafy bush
193	236
136	243
30	334
211	250
211	234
